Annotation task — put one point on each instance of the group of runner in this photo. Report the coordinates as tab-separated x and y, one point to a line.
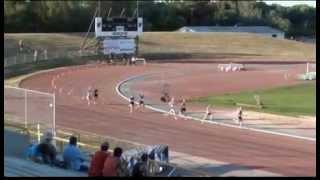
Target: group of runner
182	108
140	103
208	113
93	94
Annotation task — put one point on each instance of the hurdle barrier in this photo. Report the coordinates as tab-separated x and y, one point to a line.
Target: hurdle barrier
232	67
142	59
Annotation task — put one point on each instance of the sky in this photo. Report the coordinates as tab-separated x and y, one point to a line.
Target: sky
292	3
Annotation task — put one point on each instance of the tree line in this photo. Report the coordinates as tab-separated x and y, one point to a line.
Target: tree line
75	16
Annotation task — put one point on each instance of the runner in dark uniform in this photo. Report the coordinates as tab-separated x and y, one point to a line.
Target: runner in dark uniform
165	97
95	95
240	116
131	103
183	106
141	101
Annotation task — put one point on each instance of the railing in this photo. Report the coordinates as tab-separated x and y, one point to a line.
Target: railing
23	108
23	58
29	107
154	167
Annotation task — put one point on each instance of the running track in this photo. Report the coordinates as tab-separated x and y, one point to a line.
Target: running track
279	154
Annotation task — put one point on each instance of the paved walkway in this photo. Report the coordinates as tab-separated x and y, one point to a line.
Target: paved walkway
195	166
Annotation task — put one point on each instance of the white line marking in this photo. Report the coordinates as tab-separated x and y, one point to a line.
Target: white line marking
29	90
206	121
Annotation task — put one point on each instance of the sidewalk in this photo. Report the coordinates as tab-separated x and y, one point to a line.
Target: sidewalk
206	167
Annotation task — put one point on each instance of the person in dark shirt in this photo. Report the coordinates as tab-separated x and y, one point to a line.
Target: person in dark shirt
47	149
140	169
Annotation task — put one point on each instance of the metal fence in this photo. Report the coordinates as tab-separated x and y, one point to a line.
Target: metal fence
29	107
23	58
35	111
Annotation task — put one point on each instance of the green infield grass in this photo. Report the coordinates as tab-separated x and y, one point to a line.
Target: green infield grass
293	100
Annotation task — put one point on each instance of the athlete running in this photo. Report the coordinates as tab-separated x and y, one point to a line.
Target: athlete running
240	120
89	95
183	107
172	111
141	101
207	114
131	104
95	96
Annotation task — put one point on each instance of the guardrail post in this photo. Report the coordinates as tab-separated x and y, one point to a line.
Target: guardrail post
25	110
38	132
45	54
54	115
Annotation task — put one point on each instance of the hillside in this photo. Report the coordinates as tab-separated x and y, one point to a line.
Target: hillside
169	45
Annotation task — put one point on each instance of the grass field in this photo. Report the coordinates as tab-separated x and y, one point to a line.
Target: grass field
294	100
169	45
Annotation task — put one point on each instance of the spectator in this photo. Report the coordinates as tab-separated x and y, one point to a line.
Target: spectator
35	55
140	168
47	149
33	153
73	157
112	165
45	52
21	45
98	160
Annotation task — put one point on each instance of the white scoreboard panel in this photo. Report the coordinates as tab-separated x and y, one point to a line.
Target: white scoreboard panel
119	46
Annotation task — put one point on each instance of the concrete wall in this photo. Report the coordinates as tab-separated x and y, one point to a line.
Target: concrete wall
15	144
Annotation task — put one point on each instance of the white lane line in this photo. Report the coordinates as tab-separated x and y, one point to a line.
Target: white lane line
197	119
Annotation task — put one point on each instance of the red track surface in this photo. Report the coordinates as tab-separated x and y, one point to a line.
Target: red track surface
284	155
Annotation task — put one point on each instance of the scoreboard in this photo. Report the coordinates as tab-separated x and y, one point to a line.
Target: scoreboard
118	34
119	46
113	27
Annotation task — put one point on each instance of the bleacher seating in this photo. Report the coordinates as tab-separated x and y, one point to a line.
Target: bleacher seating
17	167
16	163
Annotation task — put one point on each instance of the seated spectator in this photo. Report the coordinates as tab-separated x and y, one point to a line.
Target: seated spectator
33	153
140	168
47	149
73	157
112	165
98	160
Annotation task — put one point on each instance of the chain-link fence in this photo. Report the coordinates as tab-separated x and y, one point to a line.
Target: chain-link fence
29	107
45	55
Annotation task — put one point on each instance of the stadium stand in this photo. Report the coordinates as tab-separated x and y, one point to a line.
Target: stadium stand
16	164
18	167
